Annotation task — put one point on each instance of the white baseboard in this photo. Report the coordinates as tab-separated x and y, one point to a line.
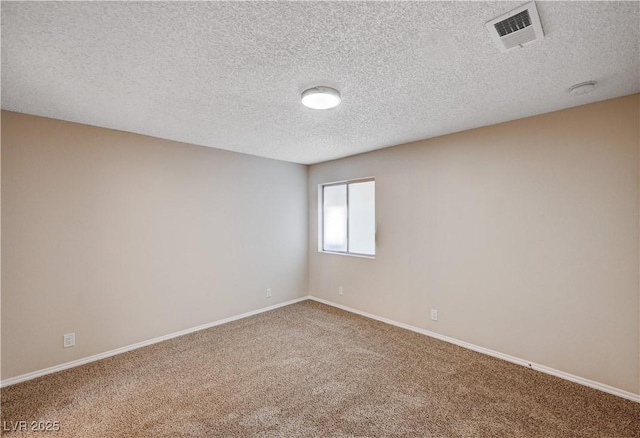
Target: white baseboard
95	357
542	368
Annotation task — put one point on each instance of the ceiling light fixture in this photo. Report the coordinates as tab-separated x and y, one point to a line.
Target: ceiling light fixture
582	88
321	98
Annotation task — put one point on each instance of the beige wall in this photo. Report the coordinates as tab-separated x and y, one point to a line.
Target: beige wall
523	235
121	238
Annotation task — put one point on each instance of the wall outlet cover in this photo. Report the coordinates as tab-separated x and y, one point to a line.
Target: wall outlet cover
69	340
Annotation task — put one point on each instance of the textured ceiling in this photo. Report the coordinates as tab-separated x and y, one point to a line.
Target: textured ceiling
229	75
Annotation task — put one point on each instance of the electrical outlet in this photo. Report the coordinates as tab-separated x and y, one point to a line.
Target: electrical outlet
434	314
269	293
69	340
340	290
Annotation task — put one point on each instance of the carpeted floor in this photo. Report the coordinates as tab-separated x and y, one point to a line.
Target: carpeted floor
310	370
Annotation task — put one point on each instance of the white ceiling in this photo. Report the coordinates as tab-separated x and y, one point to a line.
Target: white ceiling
229	74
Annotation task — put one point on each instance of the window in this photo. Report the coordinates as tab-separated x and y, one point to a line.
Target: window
348	217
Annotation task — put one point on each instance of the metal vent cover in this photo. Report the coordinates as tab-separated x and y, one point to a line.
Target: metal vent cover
513	24
516	28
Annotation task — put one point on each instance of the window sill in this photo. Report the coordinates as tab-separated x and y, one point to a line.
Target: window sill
362	256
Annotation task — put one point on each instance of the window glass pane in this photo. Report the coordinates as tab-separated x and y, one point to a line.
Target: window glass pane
335	218
362	218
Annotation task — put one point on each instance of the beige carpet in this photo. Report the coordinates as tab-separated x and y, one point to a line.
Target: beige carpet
309	370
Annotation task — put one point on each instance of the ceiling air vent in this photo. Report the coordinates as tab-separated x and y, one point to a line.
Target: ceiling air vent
516	28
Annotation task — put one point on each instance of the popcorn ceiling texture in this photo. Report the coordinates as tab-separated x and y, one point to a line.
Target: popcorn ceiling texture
310	370
229	74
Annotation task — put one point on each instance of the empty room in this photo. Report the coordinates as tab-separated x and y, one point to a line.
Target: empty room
320	219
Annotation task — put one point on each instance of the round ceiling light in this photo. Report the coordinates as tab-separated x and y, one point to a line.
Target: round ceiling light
582	88
321	98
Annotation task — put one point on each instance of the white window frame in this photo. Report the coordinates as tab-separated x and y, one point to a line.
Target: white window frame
321	217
